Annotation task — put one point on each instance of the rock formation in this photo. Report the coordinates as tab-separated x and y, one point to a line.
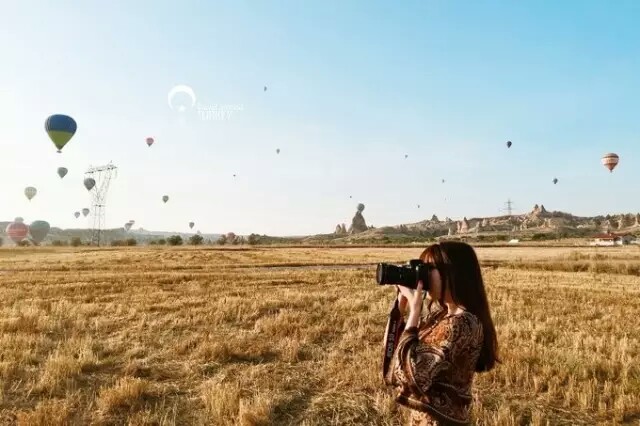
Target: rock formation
358	224
340	229
464	226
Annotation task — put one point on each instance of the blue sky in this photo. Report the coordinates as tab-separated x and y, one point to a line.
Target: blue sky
352	87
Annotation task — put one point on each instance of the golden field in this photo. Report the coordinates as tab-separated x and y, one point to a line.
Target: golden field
174	336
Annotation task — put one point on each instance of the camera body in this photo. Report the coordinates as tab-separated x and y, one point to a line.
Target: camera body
405	275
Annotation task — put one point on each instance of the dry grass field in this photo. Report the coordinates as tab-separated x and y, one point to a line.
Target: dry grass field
293	336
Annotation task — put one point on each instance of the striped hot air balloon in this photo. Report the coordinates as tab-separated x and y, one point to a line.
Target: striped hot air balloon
60	129
610	161
17	231
30	192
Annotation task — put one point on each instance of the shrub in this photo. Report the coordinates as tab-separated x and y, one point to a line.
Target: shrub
153	243
253	239
76	242
175	240
131	242
58	243
222	240
162	241
196	240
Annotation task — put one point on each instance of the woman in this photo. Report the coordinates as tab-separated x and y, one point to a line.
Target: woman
435	360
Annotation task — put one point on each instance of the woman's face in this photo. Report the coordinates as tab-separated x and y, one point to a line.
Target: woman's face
435	282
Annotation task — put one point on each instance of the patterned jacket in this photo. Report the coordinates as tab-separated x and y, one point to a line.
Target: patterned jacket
433	367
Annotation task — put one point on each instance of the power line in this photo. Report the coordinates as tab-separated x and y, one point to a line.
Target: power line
102	175
508	207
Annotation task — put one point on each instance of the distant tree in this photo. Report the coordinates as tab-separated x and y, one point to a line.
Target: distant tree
131	242
57	243
222	240
253	239
76	242
196	240
162	241
153	243
1	242
175	240
24	243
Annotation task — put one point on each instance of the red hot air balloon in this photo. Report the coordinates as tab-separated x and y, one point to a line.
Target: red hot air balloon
150	141
610	161
17	231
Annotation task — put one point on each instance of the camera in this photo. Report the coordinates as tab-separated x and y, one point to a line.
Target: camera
405	275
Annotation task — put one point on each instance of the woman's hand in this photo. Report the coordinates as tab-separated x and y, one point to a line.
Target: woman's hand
412	298
402	302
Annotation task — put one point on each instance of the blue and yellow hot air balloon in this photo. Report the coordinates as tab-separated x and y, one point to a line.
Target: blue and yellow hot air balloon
60	129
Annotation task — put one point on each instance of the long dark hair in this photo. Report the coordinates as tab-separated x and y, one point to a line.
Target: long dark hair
460	271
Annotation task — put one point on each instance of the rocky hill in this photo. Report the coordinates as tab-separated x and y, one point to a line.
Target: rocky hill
539	223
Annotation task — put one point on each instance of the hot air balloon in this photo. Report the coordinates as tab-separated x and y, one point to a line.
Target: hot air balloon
30	192
89	183
610	161
165	198
278	151
150	141
127	226
77	214
265	88
234	175
405	156
132	222
442	180
555	180
62	172
509	144
85	212
418	205
18	219
60	129
39	230
191	225
17	231
350	196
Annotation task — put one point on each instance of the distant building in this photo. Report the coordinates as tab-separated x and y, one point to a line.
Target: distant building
612	239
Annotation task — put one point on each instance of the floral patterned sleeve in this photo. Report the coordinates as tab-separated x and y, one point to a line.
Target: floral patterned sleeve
416	363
